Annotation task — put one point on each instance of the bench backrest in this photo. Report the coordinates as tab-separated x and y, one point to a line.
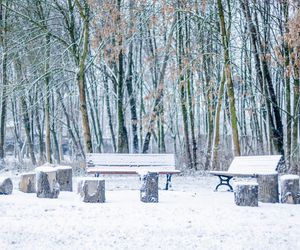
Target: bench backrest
126	160
254	164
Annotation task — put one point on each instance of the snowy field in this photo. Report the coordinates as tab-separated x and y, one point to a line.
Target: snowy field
189	216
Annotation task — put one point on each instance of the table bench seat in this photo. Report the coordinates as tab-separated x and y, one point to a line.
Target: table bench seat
247	166
131	164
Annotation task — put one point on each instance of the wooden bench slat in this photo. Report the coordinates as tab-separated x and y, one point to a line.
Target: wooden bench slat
131	170
131	159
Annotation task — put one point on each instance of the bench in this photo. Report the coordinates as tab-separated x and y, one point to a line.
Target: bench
247	166
131	164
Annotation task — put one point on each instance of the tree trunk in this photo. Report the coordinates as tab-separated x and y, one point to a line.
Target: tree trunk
47	102
129	85
26	122
3	34
183	96
81	76
122	131
285	7
75	140
215	165
38	122
296	117
109	114
230	88
25	112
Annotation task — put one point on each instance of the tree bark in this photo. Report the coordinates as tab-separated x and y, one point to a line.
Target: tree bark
183	96
3	34
216	141
109	114
123	146
129	85
230	88
47	102
81	76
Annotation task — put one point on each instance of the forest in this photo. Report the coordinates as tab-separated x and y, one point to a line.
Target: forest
203	79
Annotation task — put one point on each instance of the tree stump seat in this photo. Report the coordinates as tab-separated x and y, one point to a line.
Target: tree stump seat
149	187
289	189
91	189
27	182
47	185
6	186
246	193
268	187
64	178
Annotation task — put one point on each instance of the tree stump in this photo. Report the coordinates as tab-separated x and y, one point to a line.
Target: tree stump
246	193
149	187
6	186
92	190
27	183
268	188
46	183
289	189
64	178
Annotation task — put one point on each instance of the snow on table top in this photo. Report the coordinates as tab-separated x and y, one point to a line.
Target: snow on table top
131	159
45	169
61	167
90	179
289	177
246	183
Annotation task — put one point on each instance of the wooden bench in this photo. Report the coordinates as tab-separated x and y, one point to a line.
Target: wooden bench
131	164
247	166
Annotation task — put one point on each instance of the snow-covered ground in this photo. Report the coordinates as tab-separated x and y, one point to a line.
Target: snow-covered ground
190	216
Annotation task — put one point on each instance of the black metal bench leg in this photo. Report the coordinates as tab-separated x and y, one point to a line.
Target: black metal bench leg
168	183
97	175
224	181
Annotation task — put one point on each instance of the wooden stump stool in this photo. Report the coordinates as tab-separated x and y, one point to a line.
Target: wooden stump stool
246	193
64	178
289	189
92	190
27	183
6	186
46	183
268	187
149	187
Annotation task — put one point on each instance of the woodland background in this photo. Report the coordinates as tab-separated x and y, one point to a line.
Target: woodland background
204	79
